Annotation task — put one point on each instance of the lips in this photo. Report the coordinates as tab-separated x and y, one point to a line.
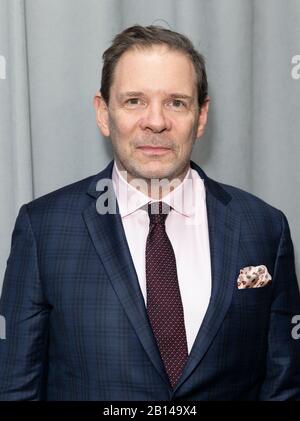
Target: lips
154	150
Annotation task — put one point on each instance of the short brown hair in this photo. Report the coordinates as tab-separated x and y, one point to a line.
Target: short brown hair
146	37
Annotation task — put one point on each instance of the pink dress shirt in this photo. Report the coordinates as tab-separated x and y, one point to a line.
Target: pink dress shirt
187	228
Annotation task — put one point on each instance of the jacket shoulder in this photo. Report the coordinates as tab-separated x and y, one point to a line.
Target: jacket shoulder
255	213
244	199
71	193
238	199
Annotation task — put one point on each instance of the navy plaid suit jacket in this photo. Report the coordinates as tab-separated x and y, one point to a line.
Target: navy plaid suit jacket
76	323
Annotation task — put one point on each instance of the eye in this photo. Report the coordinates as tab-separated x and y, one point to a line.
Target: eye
177	104
134	102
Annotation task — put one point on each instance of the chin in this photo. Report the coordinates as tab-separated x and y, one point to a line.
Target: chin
156	172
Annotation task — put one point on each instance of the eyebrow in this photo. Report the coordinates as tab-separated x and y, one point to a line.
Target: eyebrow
131	94
180	96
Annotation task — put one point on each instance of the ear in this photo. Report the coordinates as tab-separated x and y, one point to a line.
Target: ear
202	119
102	118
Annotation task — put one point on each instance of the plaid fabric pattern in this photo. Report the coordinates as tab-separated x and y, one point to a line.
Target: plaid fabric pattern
76	323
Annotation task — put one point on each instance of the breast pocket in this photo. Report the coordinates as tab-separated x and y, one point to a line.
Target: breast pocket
252	307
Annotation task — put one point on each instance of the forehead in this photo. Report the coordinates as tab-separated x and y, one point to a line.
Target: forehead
154	68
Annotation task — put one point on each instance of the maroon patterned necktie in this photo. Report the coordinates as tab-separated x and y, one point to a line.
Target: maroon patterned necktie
164	305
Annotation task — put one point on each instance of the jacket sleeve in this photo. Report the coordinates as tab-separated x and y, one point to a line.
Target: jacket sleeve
282	375
24	319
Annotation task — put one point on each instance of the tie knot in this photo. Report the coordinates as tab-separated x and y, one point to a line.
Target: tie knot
158	212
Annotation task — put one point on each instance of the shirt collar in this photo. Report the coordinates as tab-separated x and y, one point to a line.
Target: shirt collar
130	199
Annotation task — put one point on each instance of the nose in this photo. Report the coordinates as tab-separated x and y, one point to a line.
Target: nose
155	119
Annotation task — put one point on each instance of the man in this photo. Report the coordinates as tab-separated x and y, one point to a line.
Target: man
184	290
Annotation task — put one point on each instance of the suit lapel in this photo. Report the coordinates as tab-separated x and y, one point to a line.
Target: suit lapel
108	236
224	230
109	239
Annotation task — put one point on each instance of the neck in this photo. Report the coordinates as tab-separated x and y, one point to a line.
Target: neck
154	188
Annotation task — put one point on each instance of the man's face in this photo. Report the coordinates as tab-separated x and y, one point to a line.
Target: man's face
153	117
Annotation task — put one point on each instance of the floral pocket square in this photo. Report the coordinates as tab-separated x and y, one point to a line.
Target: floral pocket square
253	277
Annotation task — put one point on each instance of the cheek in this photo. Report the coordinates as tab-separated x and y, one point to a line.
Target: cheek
122	125
187	134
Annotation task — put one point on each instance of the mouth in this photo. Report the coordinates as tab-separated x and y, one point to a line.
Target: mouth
154	150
